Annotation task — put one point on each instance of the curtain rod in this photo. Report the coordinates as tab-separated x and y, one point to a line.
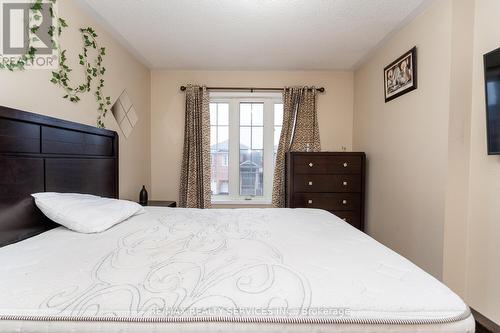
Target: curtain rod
251	89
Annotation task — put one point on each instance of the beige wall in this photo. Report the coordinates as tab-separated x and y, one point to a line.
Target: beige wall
31	91
335	110
406	141
433	190
457	189
483	251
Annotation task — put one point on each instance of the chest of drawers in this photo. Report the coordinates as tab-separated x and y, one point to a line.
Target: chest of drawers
331	181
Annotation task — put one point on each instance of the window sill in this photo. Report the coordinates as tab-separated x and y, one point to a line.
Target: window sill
241	202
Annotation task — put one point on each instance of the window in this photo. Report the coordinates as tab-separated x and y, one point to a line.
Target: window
251	149
245	131
219	147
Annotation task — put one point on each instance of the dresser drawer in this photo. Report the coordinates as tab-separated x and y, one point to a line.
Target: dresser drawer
333	181
328	201
327	183
322	164
351	217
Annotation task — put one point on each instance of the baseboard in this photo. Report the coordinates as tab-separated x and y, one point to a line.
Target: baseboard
483	324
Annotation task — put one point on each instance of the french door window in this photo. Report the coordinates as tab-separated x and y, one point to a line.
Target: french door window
244	133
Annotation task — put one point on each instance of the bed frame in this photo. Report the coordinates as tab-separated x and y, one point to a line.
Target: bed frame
44	154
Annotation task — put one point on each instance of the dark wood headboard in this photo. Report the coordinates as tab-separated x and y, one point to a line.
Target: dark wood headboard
44	154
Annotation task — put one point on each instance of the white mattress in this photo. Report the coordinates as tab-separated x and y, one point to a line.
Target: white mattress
187	270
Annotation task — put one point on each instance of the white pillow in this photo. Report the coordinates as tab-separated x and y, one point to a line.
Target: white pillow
83	212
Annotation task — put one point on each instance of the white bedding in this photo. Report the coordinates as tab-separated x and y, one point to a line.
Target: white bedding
186	270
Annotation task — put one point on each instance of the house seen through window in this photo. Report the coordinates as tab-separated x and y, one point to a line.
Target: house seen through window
244	132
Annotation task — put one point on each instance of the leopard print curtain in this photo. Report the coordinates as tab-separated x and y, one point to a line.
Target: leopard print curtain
195	174
299	132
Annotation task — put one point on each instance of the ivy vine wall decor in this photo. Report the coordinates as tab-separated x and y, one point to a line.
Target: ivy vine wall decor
94	71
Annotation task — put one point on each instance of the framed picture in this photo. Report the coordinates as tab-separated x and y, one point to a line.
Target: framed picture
400	76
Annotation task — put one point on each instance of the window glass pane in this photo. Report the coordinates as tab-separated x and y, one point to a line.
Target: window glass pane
220	174
223	138
245	155
257	114
245	107
213	113
257	158
251	174
245	138
278	114
224	187
245	114
225	160
257	137
213	137
223	114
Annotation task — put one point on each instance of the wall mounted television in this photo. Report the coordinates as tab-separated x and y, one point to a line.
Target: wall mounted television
492	85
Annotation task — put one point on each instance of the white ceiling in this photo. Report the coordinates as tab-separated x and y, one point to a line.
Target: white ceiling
252	34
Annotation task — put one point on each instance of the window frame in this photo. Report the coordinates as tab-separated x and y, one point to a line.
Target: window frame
234	99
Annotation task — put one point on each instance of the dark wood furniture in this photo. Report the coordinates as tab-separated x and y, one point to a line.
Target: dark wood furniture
44	154
161	203
326	180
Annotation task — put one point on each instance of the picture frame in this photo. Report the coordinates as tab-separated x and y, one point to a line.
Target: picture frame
400	76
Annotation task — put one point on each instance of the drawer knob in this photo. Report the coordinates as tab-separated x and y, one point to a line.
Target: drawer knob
346	165
310	183
344	202
311	164
344	183
309	201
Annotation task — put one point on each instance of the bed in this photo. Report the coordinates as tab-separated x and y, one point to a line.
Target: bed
189	270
